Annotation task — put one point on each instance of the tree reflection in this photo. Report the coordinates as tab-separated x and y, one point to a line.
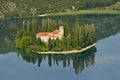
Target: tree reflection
106	25
26	42
79	61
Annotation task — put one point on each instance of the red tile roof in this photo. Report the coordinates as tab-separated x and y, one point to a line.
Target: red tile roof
56	31
43	33
48	33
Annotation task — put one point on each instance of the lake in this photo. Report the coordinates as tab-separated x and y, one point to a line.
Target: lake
101	62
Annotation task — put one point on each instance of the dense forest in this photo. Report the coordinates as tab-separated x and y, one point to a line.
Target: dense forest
75	38
25	8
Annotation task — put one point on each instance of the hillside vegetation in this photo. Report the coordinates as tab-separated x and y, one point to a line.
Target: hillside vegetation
114	6
25	8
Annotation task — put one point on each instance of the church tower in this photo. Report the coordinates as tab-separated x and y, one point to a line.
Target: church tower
61	28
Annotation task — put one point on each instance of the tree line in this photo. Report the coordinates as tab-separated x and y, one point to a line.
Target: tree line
75	38
25	8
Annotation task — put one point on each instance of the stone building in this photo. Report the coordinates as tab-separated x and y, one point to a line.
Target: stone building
45	36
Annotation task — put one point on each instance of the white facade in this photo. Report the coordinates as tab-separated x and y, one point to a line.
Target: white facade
45	36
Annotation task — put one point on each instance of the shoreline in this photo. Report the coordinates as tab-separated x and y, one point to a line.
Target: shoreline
68	52
81	12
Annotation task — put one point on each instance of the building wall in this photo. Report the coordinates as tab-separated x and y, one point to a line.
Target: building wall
44	38
53	36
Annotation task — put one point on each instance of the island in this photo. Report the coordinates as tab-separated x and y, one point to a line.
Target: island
60	39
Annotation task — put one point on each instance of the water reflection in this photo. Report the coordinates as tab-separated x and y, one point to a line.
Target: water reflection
26	35
80	61
106	25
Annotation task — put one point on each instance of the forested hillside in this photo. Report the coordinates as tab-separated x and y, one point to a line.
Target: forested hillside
22	8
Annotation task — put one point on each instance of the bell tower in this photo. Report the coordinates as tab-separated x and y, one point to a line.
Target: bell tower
61	28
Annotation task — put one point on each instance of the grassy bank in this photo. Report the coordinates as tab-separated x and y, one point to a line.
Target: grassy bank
83	12
68	52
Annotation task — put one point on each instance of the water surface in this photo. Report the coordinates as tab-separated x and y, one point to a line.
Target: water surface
102	62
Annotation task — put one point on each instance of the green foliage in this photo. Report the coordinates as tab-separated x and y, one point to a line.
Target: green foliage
76	37
24	39
25	8
115	6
